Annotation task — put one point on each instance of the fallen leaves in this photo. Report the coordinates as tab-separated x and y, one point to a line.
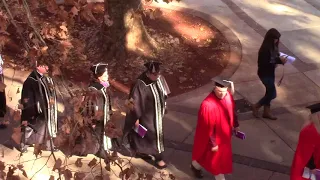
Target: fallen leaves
34	4
74	11
93	162
107	21
3	21
52	6
66	128
56	71
57	165
78	163
67	174
63	32
79	176
112	131
127	173
44	50
17	115
86	13
37	150
20	167
11	171
16	135
154	14
2	166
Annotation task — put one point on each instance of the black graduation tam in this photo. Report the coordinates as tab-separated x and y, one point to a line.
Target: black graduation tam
314	108
152	66
221	82
99	68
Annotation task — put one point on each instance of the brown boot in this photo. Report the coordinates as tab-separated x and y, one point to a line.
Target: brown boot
255	110
267	113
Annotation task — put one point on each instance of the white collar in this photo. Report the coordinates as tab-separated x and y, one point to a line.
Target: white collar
39	73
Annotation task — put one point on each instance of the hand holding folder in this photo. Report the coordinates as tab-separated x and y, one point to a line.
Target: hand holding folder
141	130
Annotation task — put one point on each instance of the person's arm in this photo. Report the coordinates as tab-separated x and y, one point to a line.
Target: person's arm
264	58
202	135
29	111
279	60
235	114
137	105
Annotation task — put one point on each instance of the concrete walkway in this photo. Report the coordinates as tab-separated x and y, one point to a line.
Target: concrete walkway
267	152
270	144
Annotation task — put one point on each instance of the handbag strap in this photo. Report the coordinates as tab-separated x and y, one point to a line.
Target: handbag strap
280	81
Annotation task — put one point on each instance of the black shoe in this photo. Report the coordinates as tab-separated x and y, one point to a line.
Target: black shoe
197	173
159	167
143	156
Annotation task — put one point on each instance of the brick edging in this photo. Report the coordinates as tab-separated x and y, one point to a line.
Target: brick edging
235	50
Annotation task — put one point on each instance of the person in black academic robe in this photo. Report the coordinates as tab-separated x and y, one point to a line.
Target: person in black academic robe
39	113
148	96
102	103
3	102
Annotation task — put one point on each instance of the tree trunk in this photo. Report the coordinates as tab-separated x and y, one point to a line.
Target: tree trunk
127	34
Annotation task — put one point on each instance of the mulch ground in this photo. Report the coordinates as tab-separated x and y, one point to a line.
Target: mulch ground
191	49
197	50
194	51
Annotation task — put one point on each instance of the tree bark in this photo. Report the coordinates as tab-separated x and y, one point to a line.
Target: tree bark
127	33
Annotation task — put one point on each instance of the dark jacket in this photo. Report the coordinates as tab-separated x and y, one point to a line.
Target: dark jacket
268	56
33	104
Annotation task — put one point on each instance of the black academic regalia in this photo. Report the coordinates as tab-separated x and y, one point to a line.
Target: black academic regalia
3	102
100	102
149	100
103	103
34	107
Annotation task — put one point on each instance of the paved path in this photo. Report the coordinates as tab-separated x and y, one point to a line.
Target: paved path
268	150
269	141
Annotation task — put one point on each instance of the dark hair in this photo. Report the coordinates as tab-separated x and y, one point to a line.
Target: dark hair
98	69
41	62
268	41
153	66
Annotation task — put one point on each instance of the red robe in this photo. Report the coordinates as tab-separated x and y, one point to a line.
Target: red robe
308	145
216	118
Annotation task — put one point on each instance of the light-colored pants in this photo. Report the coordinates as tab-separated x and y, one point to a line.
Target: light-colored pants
196	165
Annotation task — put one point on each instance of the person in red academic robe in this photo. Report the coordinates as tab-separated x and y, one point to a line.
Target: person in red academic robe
307	156
217	120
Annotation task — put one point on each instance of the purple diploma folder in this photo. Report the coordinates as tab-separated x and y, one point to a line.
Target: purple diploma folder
240	135
213	141
317	174
141	130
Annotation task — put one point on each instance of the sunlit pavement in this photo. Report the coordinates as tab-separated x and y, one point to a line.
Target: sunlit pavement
271	141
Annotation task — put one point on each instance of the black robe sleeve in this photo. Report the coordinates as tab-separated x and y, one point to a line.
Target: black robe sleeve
28	100
134	114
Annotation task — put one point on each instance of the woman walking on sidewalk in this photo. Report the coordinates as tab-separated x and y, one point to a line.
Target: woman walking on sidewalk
268	59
